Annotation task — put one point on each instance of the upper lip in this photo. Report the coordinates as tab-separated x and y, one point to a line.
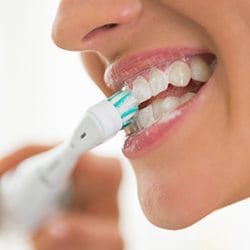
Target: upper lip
128	67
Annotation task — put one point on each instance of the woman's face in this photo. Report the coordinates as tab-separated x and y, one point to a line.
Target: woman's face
192	159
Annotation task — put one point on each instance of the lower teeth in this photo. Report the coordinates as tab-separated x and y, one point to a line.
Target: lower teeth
156	111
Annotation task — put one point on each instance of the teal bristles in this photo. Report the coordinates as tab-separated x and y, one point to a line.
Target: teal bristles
126	105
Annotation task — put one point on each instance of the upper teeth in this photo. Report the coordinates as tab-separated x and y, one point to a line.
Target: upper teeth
158	81
141	89
178	74
200	70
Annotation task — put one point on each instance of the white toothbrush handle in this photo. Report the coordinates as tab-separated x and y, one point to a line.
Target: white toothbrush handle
27	194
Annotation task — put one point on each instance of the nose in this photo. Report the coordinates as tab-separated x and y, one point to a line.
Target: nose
78	20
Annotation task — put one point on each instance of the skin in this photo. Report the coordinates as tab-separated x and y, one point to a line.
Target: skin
91	219
204	164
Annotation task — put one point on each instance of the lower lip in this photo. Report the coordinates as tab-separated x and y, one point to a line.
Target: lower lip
139	144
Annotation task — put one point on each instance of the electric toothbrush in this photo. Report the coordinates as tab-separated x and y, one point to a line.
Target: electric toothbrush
28	193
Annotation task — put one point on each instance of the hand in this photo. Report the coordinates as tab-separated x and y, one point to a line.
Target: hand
91	221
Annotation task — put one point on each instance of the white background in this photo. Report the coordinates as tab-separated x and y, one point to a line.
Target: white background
43	91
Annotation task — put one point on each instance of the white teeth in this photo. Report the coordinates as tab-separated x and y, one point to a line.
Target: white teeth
157	109
185	98
145	117
141	89
131	129
170	104
200	69
158	81
179	74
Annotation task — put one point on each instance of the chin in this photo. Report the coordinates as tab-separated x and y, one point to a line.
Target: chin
167	213
178	203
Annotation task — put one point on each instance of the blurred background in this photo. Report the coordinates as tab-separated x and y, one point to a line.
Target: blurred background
43	92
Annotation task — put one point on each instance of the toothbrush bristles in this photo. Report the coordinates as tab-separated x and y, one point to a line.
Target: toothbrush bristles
126	105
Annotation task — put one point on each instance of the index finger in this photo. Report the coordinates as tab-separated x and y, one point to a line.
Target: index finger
96	181
15	158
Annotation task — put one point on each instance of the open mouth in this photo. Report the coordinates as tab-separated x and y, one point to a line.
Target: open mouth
164	82
162	90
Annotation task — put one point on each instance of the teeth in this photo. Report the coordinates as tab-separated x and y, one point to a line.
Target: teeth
141	89
170	104
157	109
131	129
179	74
158	81
185	98
200	69
145	117
154	112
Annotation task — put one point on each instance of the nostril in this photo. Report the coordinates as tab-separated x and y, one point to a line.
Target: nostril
109	26
100	29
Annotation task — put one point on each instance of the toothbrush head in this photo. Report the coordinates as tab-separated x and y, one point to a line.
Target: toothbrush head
126	104
110	116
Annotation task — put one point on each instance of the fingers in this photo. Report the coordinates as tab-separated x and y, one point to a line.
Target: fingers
75	231
96	176
96	182
12	160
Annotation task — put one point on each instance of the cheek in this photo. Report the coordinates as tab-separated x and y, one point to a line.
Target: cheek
95	67
179	198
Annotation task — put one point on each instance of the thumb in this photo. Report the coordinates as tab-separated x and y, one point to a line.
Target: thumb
15	158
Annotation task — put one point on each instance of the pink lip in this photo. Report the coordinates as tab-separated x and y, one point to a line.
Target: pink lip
126	70
130	66
139	144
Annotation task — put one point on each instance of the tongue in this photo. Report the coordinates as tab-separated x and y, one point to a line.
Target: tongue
193	86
